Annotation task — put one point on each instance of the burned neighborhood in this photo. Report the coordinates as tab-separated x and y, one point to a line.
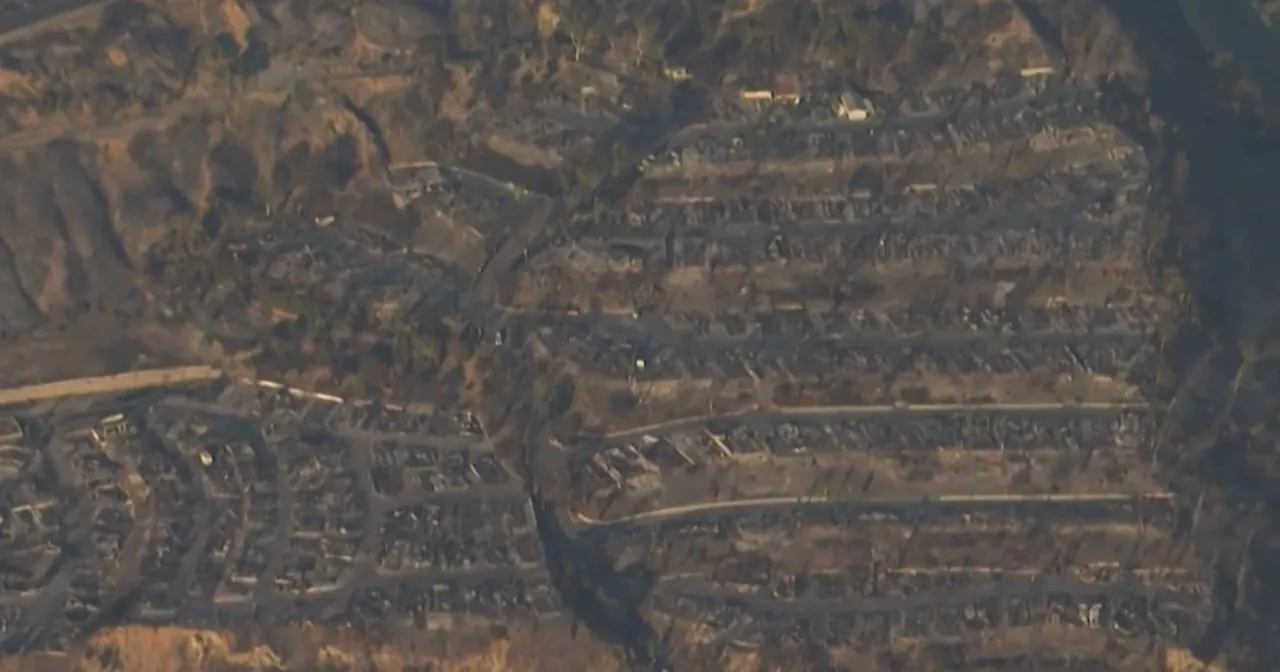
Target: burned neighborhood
650	335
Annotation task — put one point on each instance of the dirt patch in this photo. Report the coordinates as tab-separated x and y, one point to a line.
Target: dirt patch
236	19
10	80
173	649
1182	660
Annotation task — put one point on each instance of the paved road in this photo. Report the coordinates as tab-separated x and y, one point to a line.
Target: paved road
765	503
113	384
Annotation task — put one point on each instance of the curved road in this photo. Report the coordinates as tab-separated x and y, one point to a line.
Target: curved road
14	21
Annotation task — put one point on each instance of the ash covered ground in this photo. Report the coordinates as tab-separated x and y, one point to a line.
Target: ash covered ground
740	335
